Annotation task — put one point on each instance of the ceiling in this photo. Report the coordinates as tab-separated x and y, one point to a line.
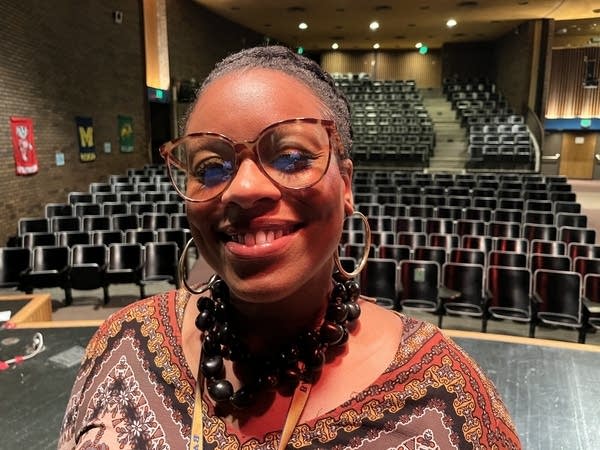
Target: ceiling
404	23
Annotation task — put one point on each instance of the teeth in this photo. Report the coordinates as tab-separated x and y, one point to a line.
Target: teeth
259	237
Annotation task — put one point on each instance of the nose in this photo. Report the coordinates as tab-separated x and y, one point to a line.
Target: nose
249	186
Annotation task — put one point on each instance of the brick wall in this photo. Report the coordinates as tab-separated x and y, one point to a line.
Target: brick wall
61	59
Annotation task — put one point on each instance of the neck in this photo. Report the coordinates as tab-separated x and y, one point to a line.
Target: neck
262	324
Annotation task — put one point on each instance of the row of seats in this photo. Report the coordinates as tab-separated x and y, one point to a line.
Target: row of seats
537	254
390	123
111	220
428	178
406	230
485	209
106	236
498	138
560	298
87	267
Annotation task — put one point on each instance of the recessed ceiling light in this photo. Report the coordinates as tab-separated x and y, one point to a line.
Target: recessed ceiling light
424	7
335	46
376	45
451	23
374	25
296	9
418	45
383	8
597	10
302	25
467	4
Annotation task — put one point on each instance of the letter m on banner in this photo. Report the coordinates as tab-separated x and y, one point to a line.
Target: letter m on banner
85	138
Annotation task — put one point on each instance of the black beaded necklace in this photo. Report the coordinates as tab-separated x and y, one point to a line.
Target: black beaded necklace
296	362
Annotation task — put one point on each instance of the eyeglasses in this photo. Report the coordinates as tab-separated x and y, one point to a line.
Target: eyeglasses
293	154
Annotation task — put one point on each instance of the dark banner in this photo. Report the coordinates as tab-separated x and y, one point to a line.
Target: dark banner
126	134
85	137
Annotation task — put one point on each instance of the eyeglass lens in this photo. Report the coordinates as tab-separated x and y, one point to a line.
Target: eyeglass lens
293	155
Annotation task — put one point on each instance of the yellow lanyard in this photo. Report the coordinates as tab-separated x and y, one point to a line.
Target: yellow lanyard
298	404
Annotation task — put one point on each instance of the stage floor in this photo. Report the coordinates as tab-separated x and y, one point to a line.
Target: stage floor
551	388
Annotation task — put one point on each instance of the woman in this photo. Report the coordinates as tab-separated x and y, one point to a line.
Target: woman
273	352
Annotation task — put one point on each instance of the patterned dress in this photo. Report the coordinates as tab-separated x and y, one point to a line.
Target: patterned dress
135	391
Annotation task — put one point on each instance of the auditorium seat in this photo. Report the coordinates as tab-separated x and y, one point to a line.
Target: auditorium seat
49	268
88	268
13	262
107	237
65	223
444	240
396	252
510	259
379	280
556	248
33	225
95	223
558	300
125	264
58	209
71	238
160	263
467	279
508	291
419	287
580	235
591	298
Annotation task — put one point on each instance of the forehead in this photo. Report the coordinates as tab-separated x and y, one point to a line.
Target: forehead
242	103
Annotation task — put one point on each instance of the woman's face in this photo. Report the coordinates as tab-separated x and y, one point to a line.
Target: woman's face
265	241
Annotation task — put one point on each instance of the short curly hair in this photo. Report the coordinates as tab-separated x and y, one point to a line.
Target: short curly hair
307	71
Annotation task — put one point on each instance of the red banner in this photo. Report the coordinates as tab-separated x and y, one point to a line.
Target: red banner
21	130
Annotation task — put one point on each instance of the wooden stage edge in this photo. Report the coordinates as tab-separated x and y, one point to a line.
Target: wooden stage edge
509	339
450	333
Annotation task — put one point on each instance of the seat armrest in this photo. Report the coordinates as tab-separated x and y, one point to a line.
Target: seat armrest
448	294
536	299
592	307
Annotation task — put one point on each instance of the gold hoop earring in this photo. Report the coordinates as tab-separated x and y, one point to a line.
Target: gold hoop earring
363	260
182	273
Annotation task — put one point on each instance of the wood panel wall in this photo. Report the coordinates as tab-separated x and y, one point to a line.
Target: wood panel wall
426	70
567	97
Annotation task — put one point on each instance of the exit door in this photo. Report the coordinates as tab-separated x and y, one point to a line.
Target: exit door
577	155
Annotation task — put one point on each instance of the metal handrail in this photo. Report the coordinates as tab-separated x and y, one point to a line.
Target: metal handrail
554	157
536	130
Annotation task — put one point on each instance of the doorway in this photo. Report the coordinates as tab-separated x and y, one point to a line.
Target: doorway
577	155
160	128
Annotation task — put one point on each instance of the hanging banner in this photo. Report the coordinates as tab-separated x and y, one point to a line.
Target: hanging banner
125	134
85	137
21	130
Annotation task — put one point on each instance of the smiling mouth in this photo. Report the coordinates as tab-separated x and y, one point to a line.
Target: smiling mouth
260	237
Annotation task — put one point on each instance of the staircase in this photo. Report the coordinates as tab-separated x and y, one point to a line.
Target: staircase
451	140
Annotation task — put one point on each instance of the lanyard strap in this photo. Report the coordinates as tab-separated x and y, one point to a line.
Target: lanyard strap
299	400
196	438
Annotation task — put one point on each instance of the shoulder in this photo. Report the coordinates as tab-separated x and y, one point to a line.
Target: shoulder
434	366
162	311
135	357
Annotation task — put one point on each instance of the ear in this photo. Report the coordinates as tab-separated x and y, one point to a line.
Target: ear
346	167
